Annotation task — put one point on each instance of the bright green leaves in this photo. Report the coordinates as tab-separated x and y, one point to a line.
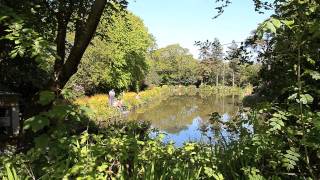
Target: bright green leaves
36	123
252	173
276	122
86	111
28	42
46	97
170	149
58	113
288	23
314	74
173	65
272	25
290	159
10	173
118	61
24	43
213	174
304	98
276	23
303	1
189	147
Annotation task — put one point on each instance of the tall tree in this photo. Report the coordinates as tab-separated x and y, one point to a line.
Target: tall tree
234	62
174	65
211	55
52	20
118	62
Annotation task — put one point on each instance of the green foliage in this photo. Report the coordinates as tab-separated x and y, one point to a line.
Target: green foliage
46	97
218	69
36	123
10	174
290	159
26	57
117	61
172	65
26	42
102	111
123	150
278	140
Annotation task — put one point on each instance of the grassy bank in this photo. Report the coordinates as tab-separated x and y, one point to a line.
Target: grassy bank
132	100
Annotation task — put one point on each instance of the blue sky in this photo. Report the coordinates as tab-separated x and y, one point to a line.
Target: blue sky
187	21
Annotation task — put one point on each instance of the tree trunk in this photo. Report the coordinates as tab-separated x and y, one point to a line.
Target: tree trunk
223	75
83	36
64	69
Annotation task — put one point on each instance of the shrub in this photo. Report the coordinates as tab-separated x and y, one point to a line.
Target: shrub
100	105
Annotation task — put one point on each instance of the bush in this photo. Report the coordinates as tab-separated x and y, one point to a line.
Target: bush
131	100
121	151
100	106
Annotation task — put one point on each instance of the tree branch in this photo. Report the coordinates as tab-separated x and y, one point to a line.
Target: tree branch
84	37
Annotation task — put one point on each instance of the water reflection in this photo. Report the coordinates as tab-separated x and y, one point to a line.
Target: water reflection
181	116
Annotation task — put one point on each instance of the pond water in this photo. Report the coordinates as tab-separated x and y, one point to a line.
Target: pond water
180	117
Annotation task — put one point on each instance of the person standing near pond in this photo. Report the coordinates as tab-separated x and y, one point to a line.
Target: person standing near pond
112	94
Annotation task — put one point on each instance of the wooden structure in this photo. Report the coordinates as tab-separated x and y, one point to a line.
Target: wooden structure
9	113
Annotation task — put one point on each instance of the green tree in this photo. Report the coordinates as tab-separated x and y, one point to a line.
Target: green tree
174	65
49	22
118	62
234	63
211	55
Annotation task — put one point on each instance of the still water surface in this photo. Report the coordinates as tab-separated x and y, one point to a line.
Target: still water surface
180	117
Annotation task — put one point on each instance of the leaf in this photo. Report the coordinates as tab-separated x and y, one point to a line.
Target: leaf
270	27
46	97
9	172
302	1
311	61
290	156
276	22
13	54
59	112
306	98
102	167
87	111
288	23
314	74
41	141
290	159
293	96
208	171
3	18
189	147
218	176
36	123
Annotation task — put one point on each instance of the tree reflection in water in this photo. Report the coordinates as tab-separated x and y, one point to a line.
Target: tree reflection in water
182	117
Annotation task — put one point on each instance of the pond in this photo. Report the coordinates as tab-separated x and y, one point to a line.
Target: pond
180	117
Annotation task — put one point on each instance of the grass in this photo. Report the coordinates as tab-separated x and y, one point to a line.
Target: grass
131	100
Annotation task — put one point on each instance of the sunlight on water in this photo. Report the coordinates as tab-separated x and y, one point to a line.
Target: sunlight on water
180	117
